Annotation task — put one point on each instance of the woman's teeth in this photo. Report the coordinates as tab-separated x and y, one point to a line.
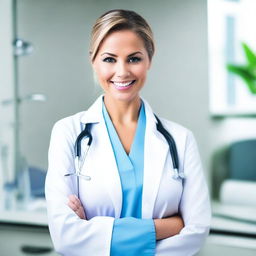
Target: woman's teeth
123	84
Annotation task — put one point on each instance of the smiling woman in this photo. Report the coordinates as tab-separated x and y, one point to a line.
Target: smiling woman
121	66
134	200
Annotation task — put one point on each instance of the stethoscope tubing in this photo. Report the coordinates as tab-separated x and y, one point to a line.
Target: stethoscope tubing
171	142
86	133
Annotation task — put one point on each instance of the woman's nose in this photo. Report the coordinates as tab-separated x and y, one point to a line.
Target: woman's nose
122	70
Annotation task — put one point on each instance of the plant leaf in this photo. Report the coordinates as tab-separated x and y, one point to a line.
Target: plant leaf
251	57
251	85
241	71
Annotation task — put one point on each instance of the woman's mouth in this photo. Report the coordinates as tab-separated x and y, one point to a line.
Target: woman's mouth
123	85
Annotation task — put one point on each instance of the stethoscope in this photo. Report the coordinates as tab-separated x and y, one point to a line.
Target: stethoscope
86	133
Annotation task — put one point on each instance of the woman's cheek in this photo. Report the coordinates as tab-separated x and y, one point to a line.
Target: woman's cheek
106	72
140	71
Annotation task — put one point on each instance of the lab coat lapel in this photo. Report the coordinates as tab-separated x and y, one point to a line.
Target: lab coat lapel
106	163
155	154
110	174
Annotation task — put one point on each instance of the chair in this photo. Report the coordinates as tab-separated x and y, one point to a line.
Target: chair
242	160
236	161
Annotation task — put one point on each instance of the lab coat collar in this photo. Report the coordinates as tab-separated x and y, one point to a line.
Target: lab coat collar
150	117
94	113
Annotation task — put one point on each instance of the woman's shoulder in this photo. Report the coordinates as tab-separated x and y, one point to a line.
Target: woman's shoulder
174	128
75	123
183	137
178	131
69	126
70	120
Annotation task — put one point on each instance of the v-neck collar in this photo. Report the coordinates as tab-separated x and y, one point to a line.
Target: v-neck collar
120	153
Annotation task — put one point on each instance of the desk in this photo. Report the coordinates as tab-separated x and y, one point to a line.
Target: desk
22	231
38	218
25	233
228	236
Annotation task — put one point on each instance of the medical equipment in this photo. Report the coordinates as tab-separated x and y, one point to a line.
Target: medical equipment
86	133
173	150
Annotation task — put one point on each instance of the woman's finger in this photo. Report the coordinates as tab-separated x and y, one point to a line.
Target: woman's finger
78	210
75	200
72	198
75	204
72	206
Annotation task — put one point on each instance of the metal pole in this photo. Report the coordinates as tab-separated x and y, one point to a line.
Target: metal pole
16	96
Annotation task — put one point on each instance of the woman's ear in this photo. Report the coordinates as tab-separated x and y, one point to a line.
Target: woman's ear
95	77
149	65
94	64
91	61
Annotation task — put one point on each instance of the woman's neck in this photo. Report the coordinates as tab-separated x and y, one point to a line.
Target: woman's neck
122	112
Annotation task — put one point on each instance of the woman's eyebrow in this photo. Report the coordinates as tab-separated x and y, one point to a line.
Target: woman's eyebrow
108	53
111	54
134	54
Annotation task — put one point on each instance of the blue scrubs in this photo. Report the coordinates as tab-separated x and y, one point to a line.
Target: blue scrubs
132	236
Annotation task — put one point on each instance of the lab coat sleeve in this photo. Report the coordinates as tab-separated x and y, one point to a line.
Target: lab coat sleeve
132	236
194	208
71	235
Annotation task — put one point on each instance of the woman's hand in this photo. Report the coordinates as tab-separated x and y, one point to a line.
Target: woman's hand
75	204
168	227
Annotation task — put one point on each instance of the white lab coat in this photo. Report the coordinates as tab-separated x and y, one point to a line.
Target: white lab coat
102	196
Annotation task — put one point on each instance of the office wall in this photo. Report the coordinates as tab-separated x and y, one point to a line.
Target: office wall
177	85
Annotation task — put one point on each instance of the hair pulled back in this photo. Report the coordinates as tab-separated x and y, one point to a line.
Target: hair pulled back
116	20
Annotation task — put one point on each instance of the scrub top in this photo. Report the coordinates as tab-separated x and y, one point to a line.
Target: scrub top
131	234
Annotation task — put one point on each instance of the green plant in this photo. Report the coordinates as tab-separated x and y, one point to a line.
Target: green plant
248	71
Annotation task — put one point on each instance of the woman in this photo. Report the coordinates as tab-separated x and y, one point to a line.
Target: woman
128	203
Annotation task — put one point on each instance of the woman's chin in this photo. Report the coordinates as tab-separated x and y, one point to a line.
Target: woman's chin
123	97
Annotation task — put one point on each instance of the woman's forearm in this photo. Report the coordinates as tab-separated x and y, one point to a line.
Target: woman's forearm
168	227
164	228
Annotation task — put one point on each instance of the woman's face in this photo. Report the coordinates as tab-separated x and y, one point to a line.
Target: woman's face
121	65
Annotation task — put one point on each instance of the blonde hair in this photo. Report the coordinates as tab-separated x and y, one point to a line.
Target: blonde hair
116	20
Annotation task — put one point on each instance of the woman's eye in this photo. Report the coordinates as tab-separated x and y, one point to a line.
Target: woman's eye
134	59
109	59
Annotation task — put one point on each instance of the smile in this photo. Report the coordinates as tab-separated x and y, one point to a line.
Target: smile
120	85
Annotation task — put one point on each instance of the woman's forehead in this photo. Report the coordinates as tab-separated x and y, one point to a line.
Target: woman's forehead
124	40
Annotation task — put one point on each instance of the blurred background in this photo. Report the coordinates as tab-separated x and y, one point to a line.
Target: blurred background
203	76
